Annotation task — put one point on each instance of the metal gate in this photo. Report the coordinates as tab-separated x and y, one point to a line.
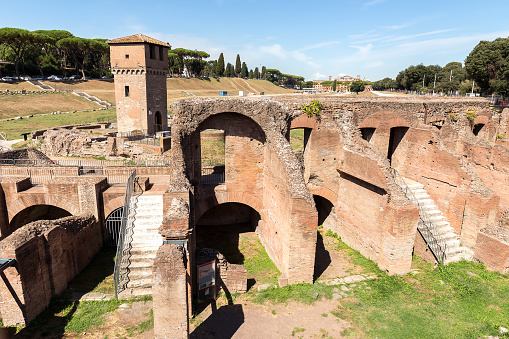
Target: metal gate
113	224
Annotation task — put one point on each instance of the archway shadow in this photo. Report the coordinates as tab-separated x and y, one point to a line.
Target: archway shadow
322	257
222	323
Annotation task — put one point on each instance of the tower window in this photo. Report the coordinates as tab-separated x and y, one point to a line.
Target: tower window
161	54
152	49
127	56
126	91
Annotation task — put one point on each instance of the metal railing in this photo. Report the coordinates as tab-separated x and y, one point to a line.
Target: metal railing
213	175
434	240
124	240
84	162
39	176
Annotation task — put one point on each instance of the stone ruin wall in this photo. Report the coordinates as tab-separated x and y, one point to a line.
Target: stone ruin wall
48	255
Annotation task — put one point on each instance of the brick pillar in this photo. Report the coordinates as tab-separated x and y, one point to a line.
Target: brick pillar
398	237
479	212
170	292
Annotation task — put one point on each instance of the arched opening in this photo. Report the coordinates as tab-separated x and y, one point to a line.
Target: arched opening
212	143
230	228
327	219
240	154
477	128
113	222
367	133
397	134
158	122
35	213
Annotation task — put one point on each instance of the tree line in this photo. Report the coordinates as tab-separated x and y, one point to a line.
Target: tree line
47	52
486	70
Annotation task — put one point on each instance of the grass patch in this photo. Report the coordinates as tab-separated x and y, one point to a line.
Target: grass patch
257	262
445	302
27	104
297	330
297	139
14	128
143	326
212	149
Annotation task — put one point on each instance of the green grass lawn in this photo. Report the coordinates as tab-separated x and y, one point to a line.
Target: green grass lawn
460	300
14	128
297	139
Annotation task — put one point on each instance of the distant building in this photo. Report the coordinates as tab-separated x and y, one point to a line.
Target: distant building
140	65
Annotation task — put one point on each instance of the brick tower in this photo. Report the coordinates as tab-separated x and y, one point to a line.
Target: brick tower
140	65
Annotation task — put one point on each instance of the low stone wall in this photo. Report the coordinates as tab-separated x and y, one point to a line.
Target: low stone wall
48	255
492	252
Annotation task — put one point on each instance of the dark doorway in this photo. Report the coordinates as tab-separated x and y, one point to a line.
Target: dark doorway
37	212
477	128
397	134
326	218
158	122
324	208
221	226
367	133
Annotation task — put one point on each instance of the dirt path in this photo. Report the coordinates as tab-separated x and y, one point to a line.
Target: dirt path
271	321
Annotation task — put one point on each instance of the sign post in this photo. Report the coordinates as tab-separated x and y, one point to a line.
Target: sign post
207	281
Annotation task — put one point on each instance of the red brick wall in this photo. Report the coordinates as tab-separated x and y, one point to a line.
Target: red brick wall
492	252
48	255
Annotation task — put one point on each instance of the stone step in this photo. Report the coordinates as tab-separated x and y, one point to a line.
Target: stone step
426	202
428	207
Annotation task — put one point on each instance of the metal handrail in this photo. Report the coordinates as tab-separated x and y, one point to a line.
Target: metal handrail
434	240
119	274
85	162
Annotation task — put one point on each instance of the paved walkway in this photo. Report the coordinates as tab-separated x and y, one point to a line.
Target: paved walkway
8	144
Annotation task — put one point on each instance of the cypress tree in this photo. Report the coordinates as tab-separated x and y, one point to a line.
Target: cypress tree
244	72
238	67
220	65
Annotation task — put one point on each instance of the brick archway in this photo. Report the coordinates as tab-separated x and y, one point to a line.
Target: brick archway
323	192
20	204
303	121
231	197
112	205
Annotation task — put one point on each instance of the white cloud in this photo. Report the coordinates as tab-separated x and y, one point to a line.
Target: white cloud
405	37
363	50
319	76
276	50
319	45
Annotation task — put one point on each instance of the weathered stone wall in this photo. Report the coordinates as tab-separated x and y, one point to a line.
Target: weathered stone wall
48	255
170	293
492	252
76	195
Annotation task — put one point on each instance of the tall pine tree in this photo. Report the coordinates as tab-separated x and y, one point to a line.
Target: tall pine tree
238	66
244	72
220	65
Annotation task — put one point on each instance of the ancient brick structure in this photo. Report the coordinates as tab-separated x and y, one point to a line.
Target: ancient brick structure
344	180
140	65
48	255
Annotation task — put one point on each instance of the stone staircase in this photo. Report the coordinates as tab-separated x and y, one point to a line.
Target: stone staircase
41	85
147	217
93	99
455	252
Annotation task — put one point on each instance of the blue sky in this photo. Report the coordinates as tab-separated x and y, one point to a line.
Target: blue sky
314	39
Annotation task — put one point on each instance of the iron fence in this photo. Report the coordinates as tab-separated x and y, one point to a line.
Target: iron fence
84	162
434	240
121	262
39	176
213	175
